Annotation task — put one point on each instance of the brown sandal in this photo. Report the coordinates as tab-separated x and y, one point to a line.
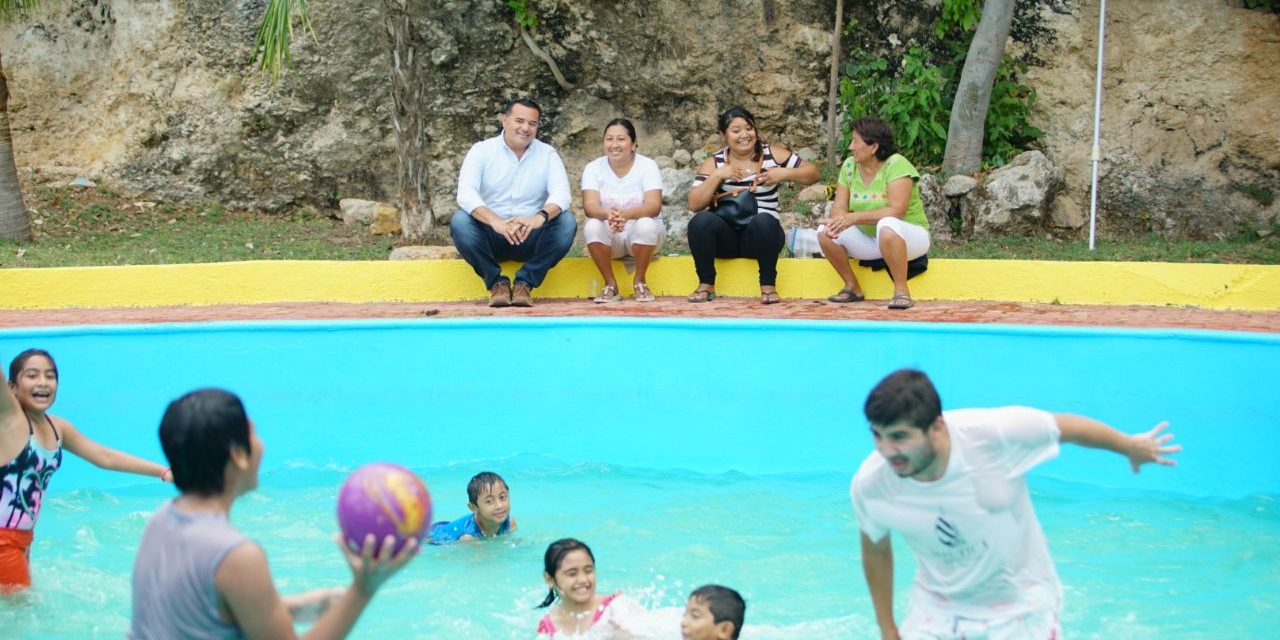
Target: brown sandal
770	297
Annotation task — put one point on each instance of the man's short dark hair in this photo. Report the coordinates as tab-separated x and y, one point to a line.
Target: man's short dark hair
906	395
480	482
198	433
524	102
724	604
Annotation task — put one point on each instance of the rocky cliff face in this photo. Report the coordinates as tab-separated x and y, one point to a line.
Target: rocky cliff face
159	96
1191	116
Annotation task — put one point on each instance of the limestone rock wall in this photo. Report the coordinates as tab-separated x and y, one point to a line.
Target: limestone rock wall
159	97
1191	116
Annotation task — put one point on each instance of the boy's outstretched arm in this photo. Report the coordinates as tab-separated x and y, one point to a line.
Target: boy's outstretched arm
1139	448
877	566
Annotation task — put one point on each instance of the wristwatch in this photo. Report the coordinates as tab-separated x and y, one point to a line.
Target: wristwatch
546	217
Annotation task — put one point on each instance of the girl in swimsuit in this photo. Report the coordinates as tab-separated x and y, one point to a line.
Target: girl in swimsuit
570	574
31	444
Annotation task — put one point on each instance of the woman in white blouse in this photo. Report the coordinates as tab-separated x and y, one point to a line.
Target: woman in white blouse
622	198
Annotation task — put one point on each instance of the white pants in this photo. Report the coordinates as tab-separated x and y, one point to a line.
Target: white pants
647	231
863	247
931	623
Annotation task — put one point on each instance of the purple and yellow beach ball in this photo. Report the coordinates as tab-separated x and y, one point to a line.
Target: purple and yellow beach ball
383	499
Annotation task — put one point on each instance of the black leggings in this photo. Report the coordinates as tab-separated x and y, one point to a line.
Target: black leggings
710	237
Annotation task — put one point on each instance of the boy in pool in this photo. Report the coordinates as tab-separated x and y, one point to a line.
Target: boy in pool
489	500
713	613
954	486
196	576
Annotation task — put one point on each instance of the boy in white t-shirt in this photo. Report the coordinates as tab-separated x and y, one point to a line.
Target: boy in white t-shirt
953	485
622	199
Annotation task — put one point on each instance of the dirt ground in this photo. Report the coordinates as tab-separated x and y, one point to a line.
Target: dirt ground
926	311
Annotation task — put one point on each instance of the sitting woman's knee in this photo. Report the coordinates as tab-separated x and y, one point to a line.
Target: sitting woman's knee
704	222
765	222
596	231
646	230
887	230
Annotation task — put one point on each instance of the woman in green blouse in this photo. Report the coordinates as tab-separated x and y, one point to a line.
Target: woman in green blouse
877	213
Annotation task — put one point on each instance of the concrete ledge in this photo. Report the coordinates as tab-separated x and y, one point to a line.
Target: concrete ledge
1213	286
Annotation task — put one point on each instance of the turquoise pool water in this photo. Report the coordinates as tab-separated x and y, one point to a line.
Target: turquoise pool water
713	451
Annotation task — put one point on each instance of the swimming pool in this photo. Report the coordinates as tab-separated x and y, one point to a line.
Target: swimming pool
683	452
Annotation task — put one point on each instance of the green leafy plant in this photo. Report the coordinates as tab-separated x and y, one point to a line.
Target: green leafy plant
915	95
524	13
957	15
1008	129
910	101
1273	5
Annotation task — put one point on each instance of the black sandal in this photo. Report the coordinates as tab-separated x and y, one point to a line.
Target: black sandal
702	295
901	301
846	295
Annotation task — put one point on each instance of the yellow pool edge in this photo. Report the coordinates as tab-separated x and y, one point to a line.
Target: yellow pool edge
1212	286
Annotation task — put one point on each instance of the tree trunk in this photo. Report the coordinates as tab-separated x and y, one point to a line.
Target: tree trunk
13	213
973	93
833	90
416	216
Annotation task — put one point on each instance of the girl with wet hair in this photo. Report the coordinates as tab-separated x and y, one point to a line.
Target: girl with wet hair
569	569
31	444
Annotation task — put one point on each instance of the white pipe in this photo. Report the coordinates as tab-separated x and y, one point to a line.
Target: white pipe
1096	155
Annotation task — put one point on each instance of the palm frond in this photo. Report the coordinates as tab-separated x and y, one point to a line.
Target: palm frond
275	34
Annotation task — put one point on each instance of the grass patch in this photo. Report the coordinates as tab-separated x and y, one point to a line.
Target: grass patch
1242	250
87	227
98	227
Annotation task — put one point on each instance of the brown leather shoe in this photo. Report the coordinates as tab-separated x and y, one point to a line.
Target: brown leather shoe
500	294
520	296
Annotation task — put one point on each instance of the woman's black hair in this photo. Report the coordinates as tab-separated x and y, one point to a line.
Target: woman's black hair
876	131
19	361
555	555
625	124
722	124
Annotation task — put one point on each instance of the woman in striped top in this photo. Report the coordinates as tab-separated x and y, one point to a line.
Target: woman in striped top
744	163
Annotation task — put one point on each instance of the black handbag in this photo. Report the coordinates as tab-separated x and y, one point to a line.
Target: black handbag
737	208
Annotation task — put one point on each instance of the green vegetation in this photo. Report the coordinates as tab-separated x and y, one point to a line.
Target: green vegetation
913	89
275	35
97	227
1241	250
1259	193
524	13
1273	5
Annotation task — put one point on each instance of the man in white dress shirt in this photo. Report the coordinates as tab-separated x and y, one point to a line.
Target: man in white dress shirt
513	195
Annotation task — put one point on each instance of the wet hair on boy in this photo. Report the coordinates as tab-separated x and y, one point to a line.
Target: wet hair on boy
482	482
198	433
727	611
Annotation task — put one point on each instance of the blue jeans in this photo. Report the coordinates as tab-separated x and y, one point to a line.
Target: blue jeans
483	248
